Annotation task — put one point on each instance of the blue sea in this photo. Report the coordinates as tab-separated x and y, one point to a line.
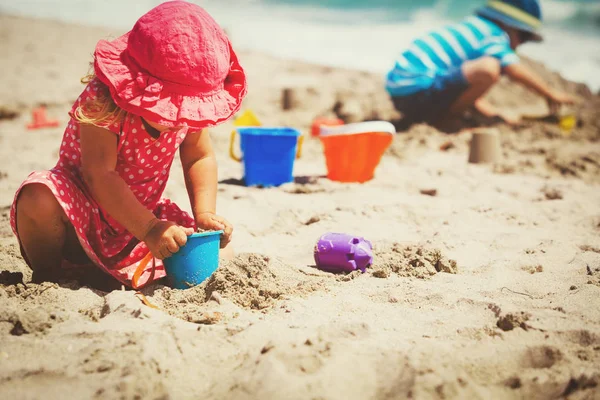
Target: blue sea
356	34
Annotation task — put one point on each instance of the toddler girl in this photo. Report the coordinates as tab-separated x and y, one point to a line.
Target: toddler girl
152	92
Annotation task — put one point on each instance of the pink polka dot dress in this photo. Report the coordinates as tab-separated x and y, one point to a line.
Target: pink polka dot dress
144	163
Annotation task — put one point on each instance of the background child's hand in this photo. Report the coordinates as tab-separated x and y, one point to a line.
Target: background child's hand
559	98
210	221
165	238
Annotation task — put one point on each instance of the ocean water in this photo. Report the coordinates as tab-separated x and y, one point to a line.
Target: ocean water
357	34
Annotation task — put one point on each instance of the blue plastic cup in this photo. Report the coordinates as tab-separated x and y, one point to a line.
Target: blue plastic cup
268	155
195	262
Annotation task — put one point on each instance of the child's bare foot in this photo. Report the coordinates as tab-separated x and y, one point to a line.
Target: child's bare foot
510	119
485	108
450	124
493	114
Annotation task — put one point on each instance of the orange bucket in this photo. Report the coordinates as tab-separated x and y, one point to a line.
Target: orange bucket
353	151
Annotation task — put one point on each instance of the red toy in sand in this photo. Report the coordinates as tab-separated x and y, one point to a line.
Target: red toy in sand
40	120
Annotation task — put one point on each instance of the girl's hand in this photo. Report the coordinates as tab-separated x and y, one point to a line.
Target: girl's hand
165	238
211	222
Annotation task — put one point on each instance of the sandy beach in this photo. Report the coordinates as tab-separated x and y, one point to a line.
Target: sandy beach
489	289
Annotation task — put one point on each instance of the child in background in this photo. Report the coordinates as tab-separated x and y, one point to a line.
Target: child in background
153	91
449	70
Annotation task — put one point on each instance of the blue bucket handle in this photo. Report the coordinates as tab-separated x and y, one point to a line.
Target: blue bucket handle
237	158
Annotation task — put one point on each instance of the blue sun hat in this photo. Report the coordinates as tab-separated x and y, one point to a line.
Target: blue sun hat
524	15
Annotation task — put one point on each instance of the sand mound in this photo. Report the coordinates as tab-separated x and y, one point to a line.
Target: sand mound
11	260
525	152
415	261
19	322
584	166
250	281
32	308
257	282
514	96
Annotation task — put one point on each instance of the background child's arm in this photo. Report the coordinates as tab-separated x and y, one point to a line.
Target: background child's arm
98	162
200	172
520	73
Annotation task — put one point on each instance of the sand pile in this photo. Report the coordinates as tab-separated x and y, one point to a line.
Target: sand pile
528	150
250	281
511	96
35	316
415	261
36	308
255	281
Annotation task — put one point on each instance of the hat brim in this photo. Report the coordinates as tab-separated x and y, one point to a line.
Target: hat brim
495	15
161	102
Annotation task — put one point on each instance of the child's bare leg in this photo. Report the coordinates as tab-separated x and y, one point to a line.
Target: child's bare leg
481	74
42	227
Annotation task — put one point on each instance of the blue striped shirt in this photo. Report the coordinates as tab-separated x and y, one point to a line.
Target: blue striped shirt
445	49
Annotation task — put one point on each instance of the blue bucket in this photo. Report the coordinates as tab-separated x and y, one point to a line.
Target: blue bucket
268	154
195	262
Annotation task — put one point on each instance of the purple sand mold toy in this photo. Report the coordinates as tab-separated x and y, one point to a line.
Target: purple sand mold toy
338	252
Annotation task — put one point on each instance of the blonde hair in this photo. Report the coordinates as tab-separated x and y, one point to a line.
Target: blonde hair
100	110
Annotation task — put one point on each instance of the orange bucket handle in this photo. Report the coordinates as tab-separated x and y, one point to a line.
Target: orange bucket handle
140	270
138	273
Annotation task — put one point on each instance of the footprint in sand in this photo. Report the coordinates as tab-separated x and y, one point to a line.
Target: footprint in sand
552	193
540	357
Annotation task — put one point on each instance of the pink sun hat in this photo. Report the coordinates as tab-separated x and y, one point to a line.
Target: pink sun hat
175	67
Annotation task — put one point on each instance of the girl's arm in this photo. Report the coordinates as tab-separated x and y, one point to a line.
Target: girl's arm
98	162
200	172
